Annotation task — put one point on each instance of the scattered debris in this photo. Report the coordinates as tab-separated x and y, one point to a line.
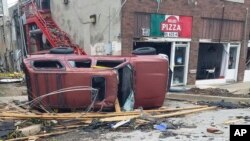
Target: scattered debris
31	130
120	124
215	92
233	121
167	134
223	104
30	124
10	80
6	127
40	135
214	130
161	127
11	75
239	119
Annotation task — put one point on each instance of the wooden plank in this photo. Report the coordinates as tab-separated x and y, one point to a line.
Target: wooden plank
68	127
86	116
39	136
119	118
184	112
105	114
117	106
228	122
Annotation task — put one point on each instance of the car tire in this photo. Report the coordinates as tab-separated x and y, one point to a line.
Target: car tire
61	50
144	51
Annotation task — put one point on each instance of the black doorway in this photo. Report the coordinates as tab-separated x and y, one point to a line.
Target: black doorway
161	47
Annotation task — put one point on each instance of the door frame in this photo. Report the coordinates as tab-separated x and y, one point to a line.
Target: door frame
172	62
238	45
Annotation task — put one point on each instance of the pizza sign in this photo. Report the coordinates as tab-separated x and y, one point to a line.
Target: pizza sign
176	26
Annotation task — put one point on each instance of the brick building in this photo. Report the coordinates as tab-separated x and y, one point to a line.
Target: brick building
206	40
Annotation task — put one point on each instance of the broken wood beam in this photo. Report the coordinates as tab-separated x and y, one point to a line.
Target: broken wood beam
68	127
117	106
87	115
17	107
119	118
179	113
39	136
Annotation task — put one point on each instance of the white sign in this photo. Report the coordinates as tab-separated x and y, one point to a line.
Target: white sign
171	34
145	32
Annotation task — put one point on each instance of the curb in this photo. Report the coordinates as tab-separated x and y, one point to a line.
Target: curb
11	98
206	98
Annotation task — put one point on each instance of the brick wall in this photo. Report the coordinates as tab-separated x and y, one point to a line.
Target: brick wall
203	9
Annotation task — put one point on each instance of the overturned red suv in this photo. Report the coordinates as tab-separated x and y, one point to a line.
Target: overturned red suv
77	81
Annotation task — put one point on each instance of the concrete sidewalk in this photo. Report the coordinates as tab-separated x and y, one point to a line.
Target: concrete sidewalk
239	89
206	98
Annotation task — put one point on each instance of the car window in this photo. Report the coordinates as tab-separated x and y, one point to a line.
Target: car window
80	63
48	64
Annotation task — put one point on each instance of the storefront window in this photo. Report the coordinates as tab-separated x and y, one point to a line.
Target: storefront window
211	60
178	75
179	67
232	58
180	55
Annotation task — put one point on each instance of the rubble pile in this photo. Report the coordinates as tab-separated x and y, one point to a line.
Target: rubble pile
11	77
215	92
19	123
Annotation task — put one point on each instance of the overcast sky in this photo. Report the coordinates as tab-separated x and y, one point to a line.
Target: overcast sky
11	2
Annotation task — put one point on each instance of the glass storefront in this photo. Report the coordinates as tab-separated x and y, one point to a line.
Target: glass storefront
178	57
179	63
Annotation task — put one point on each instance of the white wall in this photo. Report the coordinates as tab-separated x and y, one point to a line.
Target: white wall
73	18
247	76
4	6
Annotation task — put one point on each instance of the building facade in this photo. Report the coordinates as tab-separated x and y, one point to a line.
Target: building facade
97	38
206	40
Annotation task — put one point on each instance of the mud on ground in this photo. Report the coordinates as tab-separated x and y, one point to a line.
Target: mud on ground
216	92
